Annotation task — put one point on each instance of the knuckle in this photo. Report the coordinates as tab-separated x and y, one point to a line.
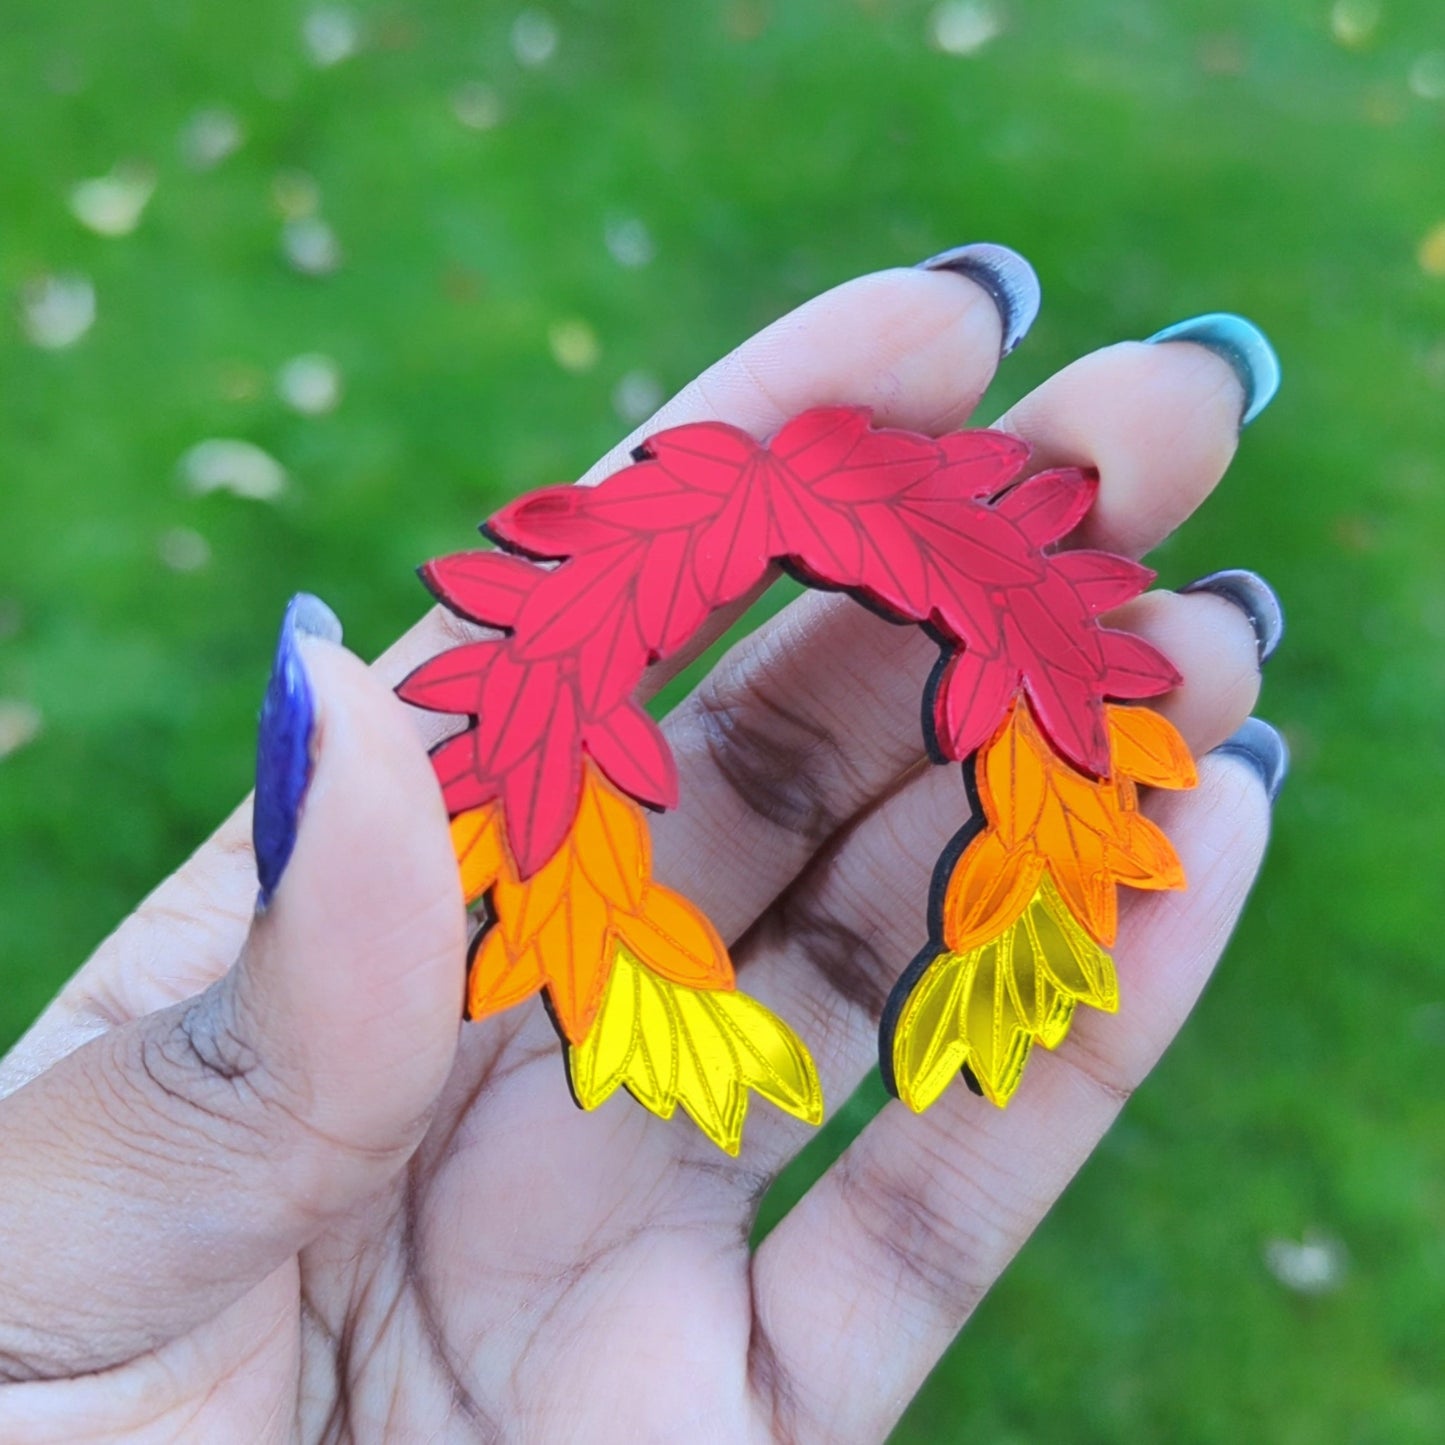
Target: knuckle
1099	1071
846	958
916	1234
203	1071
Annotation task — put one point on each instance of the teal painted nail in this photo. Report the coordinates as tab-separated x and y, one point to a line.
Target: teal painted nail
1243	345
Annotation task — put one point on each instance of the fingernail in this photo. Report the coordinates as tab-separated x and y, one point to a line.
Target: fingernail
1261	747
1007	278
1254	597
1243	345
283	748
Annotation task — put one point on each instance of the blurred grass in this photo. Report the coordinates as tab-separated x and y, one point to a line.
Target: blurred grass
1153	162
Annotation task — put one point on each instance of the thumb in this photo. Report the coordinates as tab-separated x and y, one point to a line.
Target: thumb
152	1176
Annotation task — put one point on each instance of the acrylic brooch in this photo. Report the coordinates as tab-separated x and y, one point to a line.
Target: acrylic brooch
548	781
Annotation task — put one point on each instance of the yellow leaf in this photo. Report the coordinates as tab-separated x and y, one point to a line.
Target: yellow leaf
929	1046
760	1050
633	1042
984	1008
701	1048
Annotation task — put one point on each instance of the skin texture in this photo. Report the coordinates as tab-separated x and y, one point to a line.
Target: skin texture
258	1187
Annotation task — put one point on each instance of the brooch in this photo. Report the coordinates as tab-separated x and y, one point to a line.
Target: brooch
549	782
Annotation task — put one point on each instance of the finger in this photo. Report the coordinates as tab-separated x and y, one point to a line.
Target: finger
790	739
1120	411
1214	645
161	1170
817	713
865	1283
827	953
918	345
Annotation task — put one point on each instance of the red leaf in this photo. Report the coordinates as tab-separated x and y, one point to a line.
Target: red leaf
1135	668
894	574
1072	715
631	749
972	698
833	452
669	604
1048	628
1101	580
552	523
975	540
977	464
730	553
579	597
455	765
452	681
541	790
485	587
819	441
706	455
883	467
518	701
611	666
645	498
819	537
964	611
1050	505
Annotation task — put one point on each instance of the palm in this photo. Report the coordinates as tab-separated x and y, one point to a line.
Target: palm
521	1299
446	1247
487	1293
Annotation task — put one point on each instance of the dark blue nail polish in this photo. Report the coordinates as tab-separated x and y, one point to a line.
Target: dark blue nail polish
1007	278
1243	345
283	749
1261	748
1254	597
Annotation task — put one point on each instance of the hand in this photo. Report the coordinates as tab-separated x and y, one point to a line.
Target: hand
256	1188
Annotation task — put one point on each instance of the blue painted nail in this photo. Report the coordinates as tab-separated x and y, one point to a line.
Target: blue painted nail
1254	597
1260	747
283	749
1009	280
1243	345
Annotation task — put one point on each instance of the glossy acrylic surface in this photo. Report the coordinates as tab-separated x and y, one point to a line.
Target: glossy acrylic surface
591	585
1031	904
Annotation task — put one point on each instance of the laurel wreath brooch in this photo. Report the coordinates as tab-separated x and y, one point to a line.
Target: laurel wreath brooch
548	782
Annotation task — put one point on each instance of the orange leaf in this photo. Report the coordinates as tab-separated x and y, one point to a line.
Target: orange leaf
1087	832
1013	780
499	979
559	928
1148	748
1153	854
989	889
524	907
611	847
477	842
576	958
675	940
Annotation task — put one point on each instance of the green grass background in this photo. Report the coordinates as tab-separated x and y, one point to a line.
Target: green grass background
1154	161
